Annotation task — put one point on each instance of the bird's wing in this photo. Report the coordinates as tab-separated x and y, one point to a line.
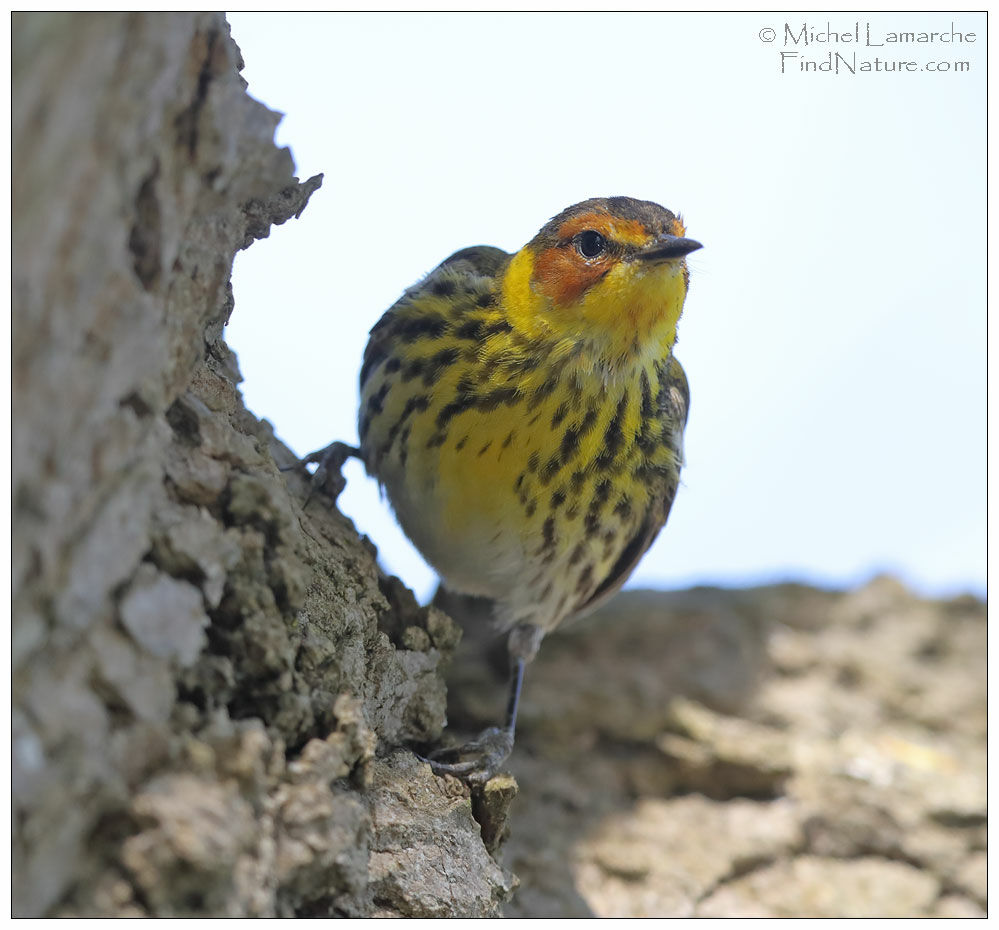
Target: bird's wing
484	260
675	405
478	261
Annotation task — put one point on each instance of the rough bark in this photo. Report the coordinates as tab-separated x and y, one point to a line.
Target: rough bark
772	752
201	668
214	688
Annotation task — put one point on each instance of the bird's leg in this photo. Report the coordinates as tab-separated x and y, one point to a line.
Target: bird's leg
327	477
479	759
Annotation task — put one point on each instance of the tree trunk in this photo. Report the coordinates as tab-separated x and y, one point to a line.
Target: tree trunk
201	668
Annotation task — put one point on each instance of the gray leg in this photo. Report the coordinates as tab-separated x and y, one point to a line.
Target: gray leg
478	760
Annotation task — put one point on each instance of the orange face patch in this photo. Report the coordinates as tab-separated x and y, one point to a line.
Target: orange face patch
678	229
563	275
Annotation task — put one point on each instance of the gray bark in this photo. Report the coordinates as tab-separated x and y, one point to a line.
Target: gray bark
202	670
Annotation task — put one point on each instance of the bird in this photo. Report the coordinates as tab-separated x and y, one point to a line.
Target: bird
524	414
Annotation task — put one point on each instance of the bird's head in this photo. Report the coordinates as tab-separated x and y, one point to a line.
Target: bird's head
608	275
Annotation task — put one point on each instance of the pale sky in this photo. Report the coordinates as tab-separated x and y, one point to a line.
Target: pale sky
834	334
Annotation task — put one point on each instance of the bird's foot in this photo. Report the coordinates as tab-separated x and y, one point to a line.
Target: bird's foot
477	760
327	478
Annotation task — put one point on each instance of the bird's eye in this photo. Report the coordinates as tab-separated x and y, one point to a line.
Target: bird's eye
590	244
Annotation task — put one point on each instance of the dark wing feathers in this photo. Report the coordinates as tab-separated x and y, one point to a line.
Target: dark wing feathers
482	261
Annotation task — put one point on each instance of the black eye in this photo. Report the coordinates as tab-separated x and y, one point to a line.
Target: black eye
590	244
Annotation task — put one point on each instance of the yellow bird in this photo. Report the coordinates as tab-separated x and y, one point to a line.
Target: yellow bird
525	414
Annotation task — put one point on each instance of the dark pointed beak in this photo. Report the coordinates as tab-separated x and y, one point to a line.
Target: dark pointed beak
668	247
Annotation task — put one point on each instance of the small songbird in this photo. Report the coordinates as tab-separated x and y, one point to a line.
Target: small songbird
525	414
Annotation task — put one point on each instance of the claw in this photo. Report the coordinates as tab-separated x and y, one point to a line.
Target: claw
490	749
327	478
476	761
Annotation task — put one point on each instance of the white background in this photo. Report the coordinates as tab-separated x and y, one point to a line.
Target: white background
834	336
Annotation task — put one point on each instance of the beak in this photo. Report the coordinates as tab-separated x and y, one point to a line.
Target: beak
668	247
